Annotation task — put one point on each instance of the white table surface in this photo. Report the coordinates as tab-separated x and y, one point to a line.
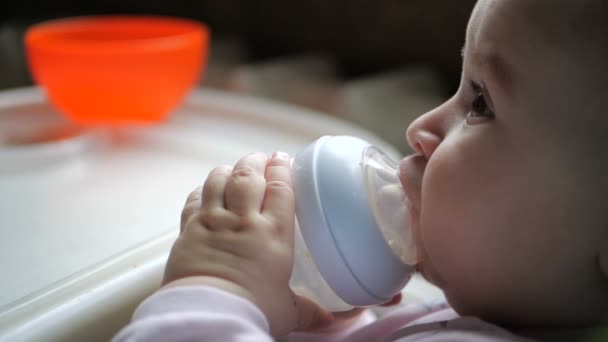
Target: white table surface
85	233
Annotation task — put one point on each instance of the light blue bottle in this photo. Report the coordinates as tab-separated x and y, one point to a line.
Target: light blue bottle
354	245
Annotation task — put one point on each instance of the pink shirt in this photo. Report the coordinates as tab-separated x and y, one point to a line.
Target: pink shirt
210	314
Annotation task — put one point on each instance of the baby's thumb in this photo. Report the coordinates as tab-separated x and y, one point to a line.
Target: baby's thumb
311	316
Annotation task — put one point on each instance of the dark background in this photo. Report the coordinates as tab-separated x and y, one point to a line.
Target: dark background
362	36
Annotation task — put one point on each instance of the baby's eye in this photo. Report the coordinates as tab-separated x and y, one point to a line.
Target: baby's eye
480	110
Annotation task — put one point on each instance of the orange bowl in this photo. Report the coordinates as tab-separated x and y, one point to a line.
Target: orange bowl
117	69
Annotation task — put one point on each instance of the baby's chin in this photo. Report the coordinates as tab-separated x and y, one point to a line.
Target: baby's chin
424	264
428	272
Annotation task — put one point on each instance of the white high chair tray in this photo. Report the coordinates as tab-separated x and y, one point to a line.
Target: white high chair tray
87	221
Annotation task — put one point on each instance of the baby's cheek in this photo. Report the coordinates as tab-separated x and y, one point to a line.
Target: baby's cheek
439	237
449	226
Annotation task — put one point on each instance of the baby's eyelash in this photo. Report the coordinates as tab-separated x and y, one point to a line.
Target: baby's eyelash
477	89
479	106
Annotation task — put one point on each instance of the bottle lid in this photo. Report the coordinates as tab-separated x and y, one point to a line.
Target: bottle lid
350	210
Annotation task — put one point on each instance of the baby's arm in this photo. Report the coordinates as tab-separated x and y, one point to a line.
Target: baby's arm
188	313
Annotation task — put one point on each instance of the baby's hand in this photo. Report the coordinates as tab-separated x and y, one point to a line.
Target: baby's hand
237	234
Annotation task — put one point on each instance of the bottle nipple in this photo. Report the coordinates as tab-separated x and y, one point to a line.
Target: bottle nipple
388	203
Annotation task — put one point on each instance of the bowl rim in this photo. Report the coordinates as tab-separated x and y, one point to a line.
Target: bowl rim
54	34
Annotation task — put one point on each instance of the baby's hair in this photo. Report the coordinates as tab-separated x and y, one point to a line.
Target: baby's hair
580	29
580	26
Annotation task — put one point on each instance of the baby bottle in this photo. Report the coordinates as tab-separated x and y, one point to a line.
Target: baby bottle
353	244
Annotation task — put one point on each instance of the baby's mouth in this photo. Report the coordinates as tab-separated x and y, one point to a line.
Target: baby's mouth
411	171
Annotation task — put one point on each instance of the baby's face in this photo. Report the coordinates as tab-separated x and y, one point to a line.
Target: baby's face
500	194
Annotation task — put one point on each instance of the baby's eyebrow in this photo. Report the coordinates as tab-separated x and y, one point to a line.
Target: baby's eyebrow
498	68
494	62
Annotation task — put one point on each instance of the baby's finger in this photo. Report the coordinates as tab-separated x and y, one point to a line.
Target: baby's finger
278	205
195	195
311	316
396	300
193	206
245	186
214	187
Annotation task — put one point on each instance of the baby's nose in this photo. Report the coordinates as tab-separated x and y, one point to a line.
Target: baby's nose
423	135
424	142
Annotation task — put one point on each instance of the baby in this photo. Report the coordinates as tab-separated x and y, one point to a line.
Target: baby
506	190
